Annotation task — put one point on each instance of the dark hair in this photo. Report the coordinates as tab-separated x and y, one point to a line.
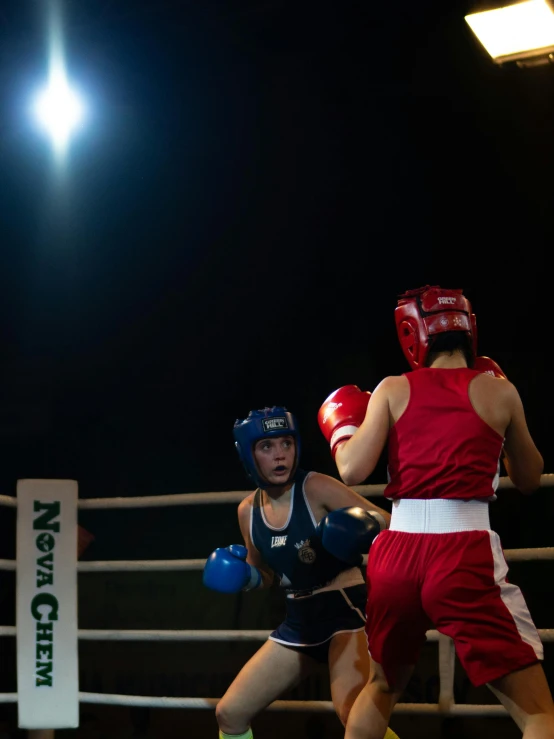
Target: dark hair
450	341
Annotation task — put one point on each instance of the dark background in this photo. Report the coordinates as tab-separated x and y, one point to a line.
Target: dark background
255	184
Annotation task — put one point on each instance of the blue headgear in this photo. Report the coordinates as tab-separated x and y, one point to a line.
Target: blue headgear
266	423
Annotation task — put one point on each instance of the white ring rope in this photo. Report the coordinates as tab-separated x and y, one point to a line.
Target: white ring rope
235	496
156	565
444	707
447	663
412	709
303	706
8	697
546	635
196	565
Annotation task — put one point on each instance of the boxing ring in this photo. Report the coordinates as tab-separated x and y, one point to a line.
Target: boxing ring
445	706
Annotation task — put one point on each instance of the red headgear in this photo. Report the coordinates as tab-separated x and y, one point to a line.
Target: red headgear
428	311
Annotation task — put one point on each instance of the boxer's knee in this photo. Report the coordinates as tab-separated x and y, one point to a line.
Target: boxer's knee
343	710
378	681
232	719
395	685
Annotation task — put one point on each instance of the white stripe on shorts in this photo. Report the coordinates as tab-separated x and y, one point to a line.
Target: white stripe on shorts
512	598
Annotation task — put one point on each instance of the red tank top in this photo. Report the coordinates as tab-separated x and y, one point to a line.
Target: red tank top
440	447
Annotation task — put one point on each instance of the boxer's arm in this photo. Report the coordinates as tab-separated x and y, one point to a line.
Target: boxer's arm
523	461
254	557
323	490
357	458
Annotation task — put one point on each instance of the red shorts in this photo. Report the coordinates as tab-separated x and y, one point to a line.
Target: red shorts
456	583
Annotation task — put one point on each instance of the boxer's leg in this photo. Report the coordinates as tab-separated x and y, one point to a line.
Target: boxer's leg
273	670
526	696
371	712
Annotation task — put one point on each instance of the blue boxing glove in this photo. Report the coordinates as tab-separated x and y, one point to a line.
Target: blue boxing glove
347	533
227	571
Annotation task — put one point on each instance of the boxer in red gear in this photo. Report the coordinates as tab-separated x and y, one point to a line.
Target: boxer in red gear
440	564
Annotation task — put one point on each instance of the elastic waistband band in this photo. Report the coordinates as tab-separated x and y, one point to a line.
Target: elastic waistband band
439	516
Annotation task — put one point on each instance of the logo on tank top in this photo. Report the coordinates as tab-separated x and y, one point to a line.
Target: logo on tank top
306	554
278	541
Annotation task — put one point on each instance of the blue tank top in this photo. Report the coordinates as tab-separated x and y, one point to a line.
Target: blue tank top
294	551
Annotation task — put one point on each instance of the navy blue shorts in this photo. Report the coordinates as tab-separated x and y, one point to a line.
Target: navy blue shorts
311	621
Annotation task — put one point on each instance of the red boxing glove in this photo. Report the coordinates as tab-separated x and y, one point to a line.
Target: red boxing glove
342	414
489	367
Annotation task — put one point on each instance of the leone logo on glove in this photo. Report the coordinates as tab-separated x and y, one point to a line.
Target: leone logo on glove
274	424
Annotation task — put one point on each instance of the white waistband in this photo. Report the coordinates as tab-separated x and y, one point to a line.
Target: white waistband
439	516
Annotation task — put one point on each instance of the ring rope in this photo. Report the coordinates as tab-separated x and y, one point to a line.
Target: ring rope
546	635
444	707
109	699
194	565
303	706
235	496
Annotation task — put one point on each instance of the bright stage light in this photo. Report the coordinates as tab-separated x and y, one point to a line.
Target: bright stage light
59	109
521	32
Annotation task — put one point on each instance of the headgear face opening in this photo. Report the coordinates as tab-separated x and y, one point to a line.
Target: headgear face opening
266	423
428	311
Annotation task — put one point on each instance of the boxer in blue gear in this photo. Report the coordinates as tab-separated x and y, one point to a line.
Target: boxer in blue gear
296	529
